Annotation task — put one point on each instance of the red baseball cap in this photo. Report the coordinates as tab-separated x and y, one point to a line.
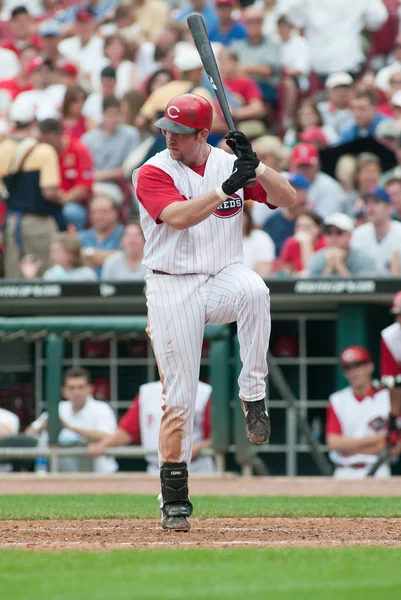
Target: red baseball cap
85	14
314	134
304	154
36	63
354	354
68	67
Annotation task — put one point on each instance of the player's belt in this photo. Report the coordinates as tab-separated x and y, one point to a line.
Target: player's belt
354	466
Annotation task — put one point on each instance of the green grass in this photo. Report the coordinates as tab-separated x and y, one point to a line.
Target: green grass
284	574
116	506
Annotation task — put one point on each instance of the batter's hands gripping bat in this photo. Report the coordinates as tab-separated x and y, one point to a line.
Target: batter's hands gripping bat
200	36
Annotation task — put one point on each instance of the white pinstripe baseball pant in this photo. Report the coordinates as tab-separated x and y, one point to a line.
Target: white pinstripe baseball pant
178	308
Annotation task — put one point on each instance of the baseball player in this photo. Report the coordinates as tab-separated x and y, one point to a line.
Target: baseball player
141	425
191	199
356	426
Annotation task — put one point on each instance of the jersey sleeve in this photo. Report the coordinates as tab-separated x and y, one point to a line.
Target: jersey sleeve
388	365
333	424
258	194
155	190
130	422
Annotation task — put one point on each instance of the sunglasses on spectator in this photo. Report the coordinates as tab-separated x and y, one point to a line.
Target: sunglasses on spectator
354	365
334	231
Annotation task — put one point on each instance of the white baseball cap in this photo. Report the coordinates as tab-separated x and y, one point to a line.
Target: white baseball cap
337	79
396	99
21	111
340	220
187	59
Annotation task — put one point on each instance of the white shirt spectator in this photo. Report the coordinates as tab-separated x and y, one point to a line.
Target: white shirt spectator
11	421
364	238
258	248
93	107
382	80
123	77
116	268
325	195
45	102
90	58
95	415
295	54
9	65
333	28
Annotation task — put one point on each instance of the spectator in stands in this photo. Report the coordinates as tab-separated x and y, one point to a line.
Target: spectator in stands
75	124
76	169
131	104
116	51
394	86
381	237
126	265
43	96
325	193
307	239
393	188
395	104
259	252
22	81
66	73
271	152
307	115
86	47
226	30
339	258
151	16
356	419
295	65
367	118
366	177
93	107
104	237
281	225
83	419
384	75
65	254
259	56
272	12
387	133
335	111
246	98
112	143
50	34
205	8
141	425
157	80
21	31
332	30
30	174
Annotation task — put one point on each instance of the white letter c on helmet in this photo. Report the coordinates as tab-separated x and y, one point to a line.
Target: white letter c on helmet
173	112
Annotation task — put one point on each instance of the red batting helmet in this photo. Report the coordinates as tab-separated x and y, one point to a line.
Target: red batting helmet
396	304
187	113
354	354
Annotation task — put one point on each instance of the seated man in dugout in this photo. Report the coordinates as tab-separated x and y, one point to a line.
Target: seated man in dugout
357	419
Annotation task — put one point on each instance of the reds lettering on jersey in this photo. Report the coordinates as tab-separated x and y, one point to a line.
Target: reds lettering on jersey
357	418
205	248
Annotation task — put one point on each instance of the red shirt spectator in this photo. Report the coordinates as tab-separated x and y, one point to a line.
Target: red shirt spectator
299	248
22	82
75	165
20	34
75	124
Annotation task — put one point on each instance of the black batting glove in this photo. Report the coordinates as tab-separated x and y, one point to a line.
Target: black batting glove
243	170
240	145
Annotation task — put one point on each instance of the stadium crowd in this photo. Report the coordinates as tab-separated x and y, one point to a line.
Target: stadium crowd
81	84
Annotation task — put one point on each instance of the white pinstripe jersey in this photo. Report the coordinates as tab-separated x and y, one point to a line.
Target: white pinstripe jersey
204	248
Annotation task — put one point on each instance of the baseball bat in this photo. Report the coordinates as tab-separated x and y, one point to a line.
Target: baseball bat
200	36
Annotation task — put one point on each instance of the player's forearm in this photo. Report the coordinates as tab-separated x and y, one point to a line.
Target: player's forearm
279	190
189	213
371	444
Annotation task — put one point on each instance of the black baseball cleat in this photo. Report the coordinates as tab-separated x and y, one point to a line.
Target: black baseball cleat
257	421
173	519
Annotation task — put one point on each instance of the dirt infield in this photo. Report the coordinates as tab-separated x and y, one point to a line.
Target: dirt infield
212	533
228	485
104	534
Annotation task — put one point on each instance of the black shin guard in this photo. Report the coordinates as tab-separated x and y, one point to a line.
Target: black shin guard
174	482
